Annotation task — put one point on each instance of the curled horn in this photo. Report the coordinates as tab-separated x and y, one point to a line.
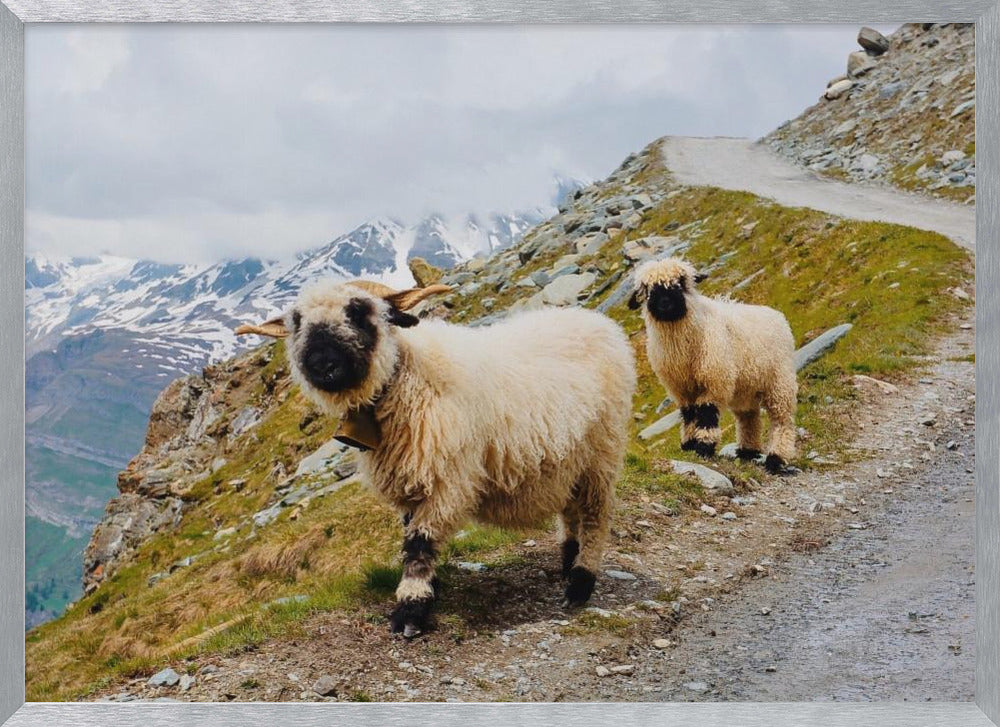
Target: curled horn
274	328
400	299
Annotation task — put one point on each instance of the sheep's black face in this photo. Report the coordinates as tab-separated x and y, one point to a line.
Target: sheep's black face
667	303
337	358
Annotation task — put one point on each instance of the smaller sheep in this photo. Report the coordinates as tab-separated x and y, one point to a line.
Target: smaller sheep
711	353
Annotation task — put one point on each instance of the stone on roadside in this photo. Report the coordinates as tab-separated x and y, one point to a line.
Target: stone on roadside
325	686
710	479
620	575
661	643
165	678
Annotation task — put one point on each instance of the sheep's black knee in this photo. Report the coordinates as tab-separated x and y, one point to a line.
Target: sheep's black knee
748	455
570	549
580	587
706	416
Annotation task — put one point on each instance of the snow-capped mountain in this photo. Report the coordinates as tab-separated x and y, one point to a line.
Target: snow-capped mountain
192	309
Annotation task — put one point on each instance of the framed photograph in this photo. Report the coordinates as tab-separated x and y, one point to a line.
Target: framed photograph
547	363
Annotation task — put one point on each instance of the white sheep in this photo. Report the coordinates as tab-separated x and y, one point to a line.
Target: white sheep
505	424
711	353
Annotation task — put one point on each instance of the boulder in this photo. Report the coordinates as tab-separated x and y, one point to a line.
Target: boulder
591	244
566	289
873	41
475	265
859	63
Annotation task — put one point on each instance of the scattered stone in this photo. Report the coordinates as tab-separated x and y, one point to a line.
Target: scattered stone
729	515
845	128
474	567
699	687
187	681
710	479
661	426
620	575
883	386
166	678
820	345
963	107
708	510
662	643
325	686
476	265
602	671
859	63
623	669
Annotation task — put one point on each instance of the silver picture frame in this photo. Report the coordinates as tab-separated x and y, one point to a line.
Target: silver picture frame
14	14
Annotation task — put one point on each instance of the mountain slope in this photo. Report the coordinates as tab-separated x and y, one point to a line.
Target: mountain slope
106	334
908	119
255	530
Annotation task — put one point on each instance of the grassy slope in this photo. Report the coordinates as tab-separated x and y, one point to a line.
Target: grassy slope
340	550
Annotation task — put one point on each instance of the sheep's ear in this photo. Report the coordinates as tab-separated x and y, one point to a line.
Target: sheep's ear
698	277
406	299
274	328
397	317
634	300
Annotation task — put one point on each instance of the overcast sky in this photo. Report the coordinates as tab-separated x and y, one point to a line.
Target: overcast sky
196	143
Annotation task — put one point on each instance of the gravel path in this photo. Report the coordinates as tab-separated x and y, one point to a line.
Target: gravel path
741	164
884	611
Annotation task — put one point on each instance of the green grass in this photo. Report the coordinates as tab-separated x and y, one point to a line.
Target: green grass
342	551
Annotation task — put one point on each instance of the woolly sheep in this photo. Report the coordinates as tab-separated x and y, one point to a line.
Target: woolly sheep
505	424
711	353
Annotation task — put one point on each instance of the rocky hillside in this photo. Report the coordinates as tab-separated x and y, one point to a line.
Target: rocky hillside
241	526
902	114
106	334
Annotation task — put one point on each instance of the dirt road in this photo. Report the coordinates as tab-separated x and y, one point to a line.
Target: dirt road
884	611
741	164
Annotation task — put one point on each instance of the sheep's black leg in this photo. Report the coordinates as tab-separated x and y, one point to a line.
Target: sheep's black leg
570	549
701	429
417	589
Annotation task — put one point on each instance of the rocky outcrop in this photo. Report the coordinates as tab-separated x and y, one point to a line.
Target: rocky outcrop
904	114
186	439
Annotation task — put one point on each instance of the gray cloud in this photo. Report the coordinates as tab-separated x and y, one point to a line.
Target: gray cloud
197	142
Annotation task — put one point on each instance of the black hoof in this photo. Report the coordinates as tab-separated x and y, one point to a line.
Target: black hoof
570	549
776	466
581	585
411	618
748	455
